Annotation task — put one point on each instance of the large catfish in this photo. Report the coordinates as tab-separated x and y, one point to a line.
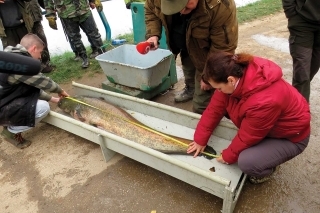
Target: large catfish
103	115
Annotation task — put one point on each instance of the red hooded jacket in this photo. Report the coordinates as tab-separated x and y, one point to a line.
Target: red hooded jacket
262	105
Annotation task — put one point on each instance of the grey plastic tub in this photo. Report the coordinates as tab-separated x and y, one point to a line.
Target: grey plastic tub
126	66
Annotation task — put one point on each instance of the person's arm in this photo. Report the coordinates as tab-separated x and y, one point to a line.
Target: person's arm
153	23
51	13
49	7
259	119
224	29
45	84
289	7
209	120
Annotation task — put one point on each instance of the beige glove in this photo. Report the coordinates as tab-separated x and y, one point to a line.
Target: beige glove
52	22
98	5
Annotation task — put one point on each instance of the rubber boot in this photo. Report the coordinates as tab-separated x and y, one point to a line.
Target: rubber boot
76	57
85	61
186	95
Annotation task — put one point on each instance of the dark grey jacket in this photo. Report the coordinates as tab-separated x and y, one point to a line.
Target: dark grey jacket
24	8
19	94
308	10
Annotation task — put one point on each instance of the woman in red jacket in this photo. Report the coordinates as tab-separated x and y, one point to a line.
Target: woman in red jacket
272	117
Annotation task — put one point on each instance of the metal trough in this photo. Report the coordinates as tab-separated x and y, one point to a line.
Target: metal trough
227	180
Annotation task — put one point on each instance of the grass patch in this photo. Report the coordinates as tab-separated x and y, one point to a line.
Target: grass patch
68	70
258	9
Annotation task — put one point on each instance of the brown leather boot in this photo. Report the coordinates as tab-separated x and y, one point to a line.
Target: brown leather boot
16	139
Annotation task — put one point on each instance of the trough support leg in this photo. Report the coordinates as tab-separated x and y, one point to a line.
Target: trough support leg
228	201
231	196
107	153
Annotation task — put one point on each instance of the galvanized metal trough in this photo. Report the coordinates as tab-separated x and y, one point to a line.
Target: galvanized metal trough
225	182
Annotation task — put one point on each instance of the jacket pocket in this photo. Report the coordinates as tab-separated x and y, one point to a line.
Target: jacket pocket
292	39
226	36
202	36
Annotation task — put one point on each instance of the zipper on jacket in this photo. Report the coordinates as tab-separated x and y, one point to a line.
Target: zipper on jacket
225	33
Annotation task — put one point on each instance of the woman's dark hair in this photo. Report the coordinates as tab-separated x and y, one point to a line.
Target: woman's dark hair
220	65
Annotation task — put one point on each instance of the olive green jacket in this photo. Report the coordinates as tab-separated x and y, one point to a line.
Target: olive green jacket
36	12
24	7
213	26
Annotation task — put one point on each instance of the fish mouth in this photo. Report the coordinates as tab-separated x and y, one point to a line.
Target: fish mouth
209	150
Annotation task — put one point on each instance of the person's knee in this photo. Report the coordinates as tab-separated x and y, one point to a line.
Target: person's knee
247	165
43	109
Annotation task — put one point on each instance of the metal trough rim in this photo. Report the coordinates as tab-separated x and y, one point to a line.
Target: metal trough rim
141	148
78	124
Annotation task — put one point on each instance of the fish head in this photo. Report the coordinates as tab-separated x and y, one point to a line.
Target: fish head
67	105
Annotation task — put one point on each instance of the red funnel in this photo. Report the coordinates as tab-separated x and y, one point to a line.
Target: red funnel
144	47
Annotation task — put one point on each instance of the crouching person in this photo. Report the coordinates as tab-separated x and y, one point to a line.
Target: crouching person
23	100
272	117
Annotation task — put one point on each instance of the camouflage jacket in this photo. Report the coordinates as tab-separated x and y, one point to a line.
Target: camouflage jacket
36	12
26	15
39	81
67	8
213	26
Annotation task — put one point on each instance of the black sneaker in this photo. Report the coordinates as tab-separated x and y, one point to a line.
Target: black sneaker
16	139
257	180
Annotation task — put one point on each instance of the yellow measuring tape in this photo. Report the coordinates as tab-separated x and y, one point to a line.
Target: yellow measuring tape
139	125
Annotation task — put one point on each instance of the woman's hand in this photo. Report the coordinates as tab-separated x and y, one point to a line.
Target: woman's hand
220	160
154	40
195	147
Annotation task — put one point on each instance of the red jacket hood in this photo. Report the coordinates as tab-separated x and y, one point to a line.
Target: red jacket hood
260	74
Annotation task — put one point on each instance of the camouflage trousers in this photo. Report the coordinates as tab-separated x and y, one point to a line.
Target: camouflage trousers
72	27
201	98
38	30
71	45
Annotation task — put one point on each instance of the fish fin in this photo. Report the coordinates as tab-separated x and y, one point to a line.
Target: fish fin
96	123
78	114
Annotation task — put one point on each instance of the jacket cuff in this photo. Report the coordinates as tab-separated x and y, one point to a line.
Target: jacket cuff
149	36
229	157
50	13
